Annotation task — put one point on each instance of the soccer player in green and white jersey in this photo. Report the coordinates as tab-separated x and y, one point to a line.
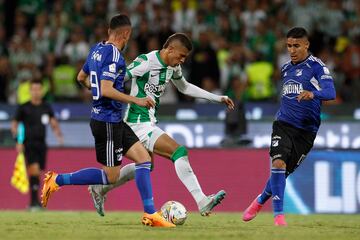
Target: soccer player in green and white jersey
150	74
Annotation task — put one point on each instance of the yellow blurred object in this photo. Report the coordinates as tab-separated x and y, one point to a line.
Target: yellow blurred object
341	44
19	179
23	92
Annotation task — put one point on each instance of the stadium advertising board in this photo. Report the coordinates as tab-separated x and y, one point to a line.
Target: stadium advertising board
327	182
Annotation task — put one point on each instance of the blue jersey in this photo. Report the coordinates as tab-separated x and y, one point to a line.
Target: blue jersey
105	62
311	75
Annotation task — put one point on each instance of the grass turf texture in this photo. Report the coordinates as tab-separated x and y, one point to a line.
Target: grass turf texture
126	225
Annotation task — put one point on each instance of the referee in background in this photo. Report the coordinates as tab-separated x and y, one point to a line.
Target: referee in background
35	115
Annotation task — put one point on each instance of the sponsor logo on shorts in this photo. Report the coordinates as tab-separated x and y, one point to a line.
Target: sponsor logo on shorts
119	154
275	143
95	110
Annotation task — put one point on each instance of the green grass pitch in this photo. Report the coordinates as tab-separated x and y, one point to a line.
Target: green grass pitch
126	225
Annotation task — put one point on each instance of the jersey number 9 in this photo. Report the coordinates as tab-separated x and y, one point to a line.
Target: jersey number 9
94	85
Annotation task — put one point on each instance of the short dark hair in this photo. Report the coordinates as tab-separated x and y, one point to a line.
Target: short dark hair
297	32
182	38
36	81
119	20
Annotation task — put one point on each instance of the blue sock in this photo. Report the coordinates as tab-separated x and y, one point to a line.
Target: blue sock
143	183
278	182
266	194
85	176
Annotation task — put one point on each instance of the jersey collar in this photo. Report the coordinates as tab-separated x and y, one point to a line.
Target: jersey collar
159	58
301	61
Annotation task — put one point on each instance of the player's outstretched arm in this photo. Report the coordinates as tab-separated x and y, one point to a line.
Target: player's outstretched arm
107	90
191	90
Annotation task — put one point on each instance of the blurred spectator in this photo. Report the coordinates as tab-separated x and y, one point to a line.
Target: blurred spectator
165	31
64	77
76	11
184	12
40	34
235	121
222	54
143	36
5	77
226	33
236	65
3	44
259	78
204	62
100	32
351	68
303	13
333	19
77	49
251	17
237	24
263	41
48	80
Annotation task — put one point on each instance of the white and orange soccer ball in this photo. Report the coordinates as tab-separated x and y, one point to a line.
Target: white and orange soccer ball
174	212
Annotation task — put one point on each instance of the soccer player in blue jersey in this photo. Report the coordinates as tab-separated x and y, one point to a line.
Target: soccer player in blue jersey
106	68
306	83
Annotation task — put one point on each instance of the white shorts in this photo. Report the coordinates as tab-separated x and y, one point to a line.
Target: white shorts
147	132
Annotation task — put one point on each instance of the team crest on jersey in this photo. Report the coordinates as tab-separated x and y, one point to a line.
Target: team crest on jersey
112	68
298	72
291	89
326	70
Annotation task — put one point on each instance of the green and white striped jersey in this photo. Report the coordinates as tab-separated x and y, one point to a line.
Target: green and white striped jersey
149	76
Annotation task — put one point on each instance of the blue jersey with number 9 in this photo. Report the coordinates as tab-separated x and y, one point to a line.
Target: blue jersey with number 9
105	62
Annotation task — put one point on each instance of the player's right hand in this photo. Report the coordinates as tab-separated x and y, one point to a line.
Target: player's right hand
147	102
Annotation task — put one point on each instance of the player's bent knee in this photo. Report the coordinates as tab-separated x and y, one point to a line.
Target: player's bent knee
112	176
278	163
138	153
181	151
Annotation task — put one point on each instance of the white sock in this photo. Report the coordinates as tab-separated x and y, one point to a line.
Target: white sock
188	178
127	173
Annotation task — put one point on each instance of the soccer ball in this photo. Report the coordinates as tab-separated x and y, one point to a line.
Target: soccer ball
174	212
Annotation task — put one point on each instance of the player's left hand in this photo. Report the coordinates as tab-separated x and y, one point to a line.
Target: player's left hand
305	95
229	103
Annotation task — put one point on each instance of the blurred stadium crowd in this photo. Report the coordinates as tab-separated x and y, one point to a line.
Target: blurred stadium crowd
239	45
